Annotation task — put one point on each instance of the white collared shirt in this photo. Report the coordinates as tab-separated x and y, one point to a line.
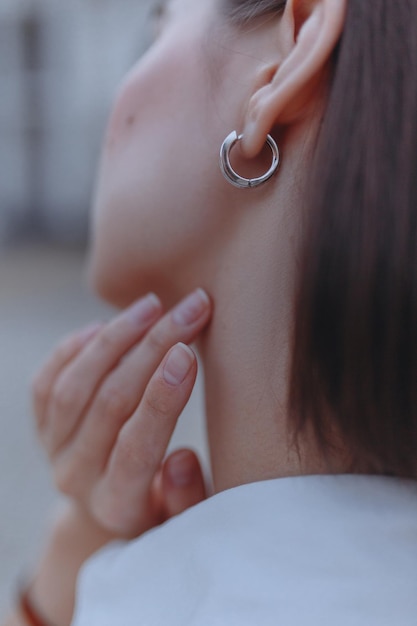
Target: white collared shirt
304	551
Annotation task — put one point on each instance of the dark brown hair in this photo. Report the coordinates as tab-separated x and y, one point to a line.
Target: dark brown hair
354	366
243	11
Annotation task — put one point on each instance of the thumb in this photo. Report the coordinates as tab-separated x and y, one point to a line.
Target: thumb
182	482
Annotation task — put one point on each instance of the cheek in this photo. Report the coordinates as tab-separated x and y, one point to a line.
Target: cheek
150	211
145	189
160	92
137	94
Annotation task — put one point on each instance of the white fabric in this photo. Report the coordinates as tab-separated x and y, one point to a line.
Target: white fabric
319	550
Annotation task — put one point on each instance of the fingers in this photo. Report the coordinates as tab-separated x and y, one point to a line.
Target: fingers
182	482
78	382
122	390
121	499
66	351
119	439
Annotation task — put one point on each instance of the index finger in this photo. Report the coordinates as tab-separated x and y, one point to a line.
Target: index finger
122	497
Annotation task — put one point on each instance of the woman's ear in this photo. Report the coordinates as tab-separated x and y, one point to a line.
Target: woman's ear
309	31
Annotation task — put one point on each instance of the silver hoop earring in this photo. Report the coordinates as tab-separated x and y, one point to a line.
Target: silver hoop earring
233	177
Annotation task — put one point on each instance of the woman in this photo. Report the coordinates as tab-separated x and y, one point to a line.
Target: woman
308	334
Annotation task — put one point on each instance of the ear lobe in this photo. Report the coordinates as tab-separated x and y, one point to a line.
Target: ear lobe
314	28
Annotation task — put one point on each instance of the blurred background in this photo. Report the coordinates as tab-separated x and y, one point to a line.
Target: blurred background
60	63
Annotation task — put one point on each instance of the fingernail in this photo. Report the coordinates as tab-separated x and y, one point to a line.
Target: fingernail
178	364
191	309
144	310
181	469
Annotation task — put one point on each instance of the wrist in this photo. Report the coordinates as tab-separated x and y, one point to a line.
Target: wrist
73	537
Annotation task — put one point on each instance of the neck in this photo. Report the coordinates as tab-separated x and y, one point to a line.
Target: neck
246	350
245	389
246	357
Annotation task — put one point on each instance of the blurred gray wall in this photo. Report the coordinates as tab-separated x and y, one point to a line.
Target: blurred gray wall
60	62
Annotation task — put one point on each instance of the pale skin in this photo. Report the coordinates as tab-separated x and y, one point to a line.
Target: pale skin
172	226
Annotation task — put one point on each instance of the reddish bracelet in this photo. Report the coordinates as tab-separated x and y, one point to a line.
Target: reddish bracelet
27	611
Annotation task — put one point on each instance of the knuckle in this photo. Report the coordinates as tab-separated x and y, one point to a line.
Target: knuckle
74	469
83	455
158	402
65	349
62	396
107	340
66	478
107	512
136	458
112	402
156	340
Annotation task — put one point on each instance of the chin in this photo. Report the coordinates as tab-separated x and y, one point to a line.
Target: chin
120	278
120	285
103	282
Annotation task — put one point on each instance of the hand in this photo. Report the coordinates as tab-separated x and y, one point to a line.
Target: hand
106	404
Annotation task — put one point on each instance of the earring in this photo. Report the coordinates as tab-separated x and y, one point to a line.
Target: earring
233	177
